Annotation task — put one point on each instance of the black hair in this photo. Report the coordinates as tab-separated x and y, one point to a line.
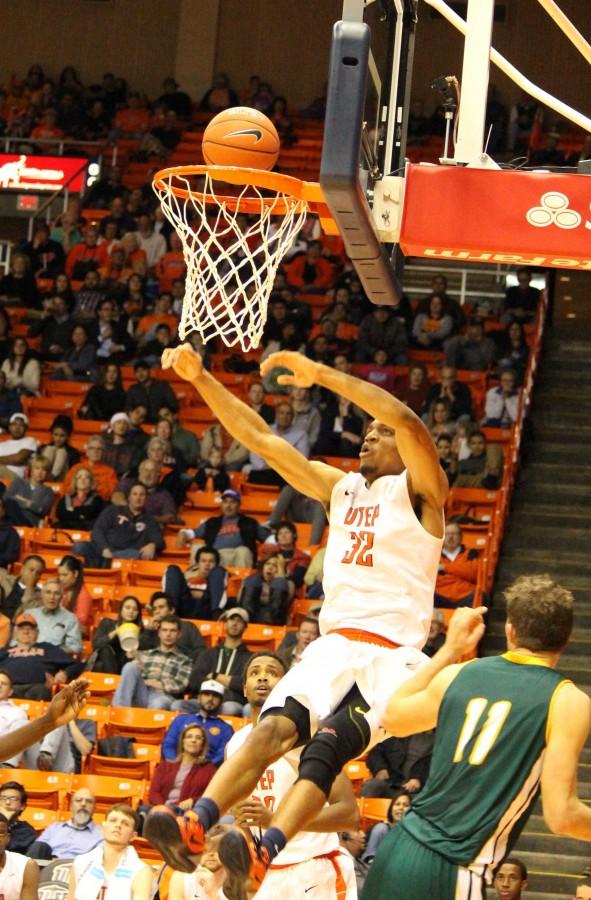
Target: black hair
285	523
207	549
397	795
138	618
159	595
515	861
259	653
15	786
65	422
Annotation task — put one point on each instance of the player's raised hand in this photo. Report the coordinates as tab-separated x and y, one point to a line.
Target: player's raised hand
185	361
304	369
67	705
466	629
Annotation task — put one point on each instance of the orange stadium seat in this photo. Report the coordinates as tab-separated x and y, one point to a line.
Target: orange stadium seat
372	810
146	574
299	609
102	686
120	591
39	818
118	767
211	632
357	772
263	637
97	711
109	790
46	790
149	725
33	708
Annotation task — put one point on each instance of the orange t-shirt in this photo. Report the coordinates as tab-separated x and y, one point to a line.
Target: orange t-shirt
147	322
460	576
130	121
106	478
170	267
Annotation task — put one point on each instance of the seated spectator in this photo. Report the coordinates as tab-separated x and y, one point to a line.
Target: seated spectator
439	420
22	370
21	592
351	846
259	471
156	679
159	502
431	328
457	573
451	307
502	403
484	467
55	328
265	594
211	474
223	664
198	593
57	625
379	372
13	802
16	452
122	532
9	399
78	361
277	319
28	500
190	641
550	155
59	452
137	416
88	298
513	350
34	665
105	398
182	439
294	643
80	508
400	805
296	560
19	283
133	120
305	414
436	637
119	217
314	575
150	392
65	748
110	655
473	350
120	453
310	272
105	476
162	314
232	534
380	330
75	596
521	300
79	834
171	267
45	255
455	392
181	783
10	542
219	96
413	389
86	255
282	122
235	453
511	879
448	459
12	716
399	764
116	854
209	697
109	336
66	232
293	506
341	430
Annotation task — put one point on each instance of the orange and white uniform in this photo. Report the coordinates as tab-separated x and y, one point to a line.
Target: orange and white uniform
311	859
379	577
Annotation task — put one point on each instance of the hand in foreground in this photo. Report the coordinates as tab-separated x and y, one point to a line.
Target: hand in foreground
67	705
252	812
185	362
465	630
304	369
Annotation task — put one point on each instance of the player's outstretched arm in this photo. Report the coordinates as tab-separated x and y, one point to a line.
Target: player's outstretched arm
568	725
314	479
414	707
64	707
341	813
415	444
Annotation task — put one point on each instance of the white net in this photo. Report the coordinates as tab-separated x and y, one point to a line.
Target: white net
231	256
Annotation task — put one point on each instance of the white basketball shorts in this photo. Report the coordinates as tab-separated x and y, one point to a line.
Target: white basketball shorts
315	879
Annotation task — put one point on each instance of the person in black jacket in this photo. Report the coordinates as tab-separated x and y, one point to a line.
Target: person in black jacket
82	507
225	664
232	534
10	542
13	800
399	763
124	532
107	397
109	656
151	393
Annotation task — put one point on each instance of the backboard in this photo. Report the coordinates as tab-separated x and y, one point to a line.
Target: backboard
365	129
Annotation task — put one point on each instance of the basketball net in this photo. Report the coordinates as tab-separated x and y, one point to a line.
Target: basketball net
231	261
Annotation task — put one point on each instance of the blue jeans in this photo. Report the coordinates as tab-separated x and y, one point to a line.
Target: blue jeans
132	691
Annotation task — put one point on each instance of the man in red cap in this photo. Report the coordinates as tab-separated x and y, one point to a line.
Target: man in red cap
35	666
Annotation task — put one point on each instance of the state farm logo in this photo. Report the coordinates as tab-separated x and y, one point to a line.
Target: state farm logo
554	210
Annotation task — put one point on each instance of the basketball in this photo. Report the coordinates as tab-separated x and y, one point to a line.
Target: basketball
241	137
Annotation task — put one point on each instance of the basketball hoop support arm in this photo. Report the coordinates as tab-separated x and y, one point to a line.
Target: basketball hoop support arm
339	169
475	75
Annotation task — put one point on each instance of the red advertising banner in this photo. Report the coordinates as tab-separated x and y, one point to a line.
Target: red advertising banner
21	172
492	216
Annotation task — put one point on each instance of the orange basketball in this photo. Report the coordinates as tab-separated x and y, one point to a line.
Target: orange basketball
241	137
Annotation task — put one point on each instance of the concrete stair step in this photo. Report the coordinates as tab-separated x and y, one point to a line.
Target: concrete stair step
552	862
543	842
548	881
518	560
556	473
569	538
562	452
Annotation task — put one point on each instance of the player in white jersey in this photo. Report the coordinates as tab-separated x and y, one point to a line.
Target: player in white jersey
19	876
386	533
312	859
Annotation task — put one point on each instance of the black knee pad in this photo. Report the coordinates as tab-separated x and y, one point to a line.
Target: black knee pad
341	738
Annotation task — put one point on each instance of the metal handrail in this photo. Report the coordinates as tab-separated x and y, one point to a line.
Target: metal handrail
61	143
46	206
496	272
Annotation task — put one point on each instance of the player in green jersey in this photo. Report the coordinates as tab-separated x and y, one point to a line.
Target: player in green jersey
505	725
